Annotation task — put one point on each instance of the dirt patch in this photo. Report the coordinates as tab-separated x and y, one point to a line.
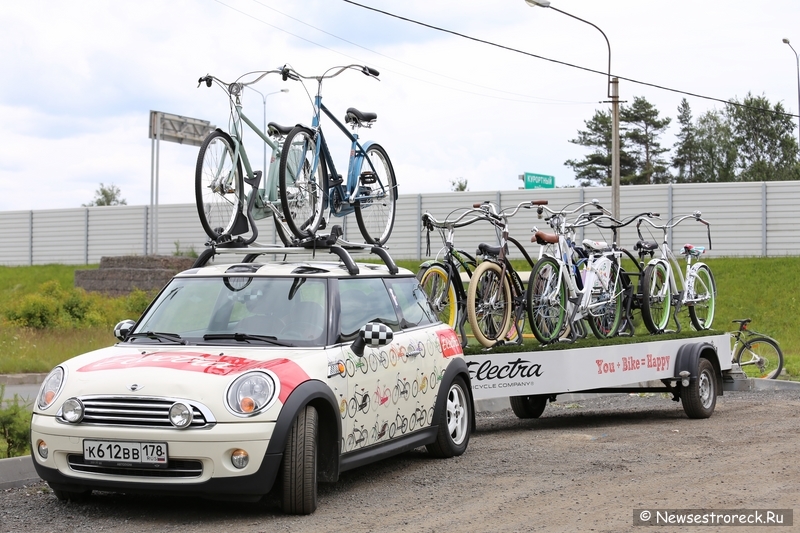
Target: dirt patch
584	466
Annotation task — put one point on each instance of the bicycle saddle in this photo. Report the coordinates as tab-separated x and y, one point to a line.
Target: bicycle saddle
691	249
543	238
354	115
486	249
596	246
646	246
274	130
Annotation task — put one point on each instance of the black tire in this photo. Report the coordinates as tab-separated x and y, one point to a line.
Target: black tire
528	406
760	357
605	319
300	464
656	298
217	205
301	193
489	304
375	215
547	320
700	397
704	289
455	422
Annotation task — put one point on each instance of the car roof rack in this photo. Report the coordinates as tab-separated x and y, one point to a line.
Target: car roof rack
332	244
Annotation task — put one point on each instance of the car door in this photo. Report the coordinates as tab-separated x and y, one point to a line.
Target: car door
378	385
416	320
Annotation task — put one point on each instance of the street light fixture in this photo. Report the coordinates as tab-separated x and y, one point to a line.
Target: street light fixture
613	94
797	57
264	102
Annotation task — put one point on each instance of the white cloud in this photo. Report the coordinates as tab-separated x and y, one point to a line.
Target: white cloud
79	80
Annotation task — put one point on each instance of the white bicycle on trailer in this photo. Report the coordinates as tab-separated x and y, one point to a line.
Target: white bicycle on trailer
660	290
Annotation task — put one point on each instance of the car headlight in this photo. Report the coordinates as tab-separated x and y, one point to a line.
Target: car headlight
251	393
72	410
51	388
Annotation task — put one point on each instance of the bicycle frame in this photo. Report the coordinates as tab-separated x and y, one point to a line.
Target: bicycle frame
341	197
271	184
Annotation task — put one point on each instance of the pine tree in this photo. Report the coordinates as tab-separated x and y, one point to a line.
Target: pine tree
643	127
685	158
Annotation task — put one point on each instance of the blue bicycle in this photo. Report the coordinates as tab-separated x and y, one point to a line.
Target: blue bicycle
309	185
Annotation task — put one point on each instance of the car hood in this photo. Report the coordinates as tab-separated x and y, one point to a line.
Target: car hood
199	373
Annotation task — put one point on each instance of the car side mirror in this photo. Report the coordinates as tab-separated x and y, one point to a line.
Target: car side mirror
122	329
373	334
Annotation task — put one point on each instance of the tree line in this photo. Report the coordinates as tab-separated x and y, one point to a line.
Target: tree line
751	140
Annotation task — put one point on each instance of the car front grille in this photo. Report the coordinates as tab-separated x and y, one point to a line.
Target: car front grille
149	412
176	468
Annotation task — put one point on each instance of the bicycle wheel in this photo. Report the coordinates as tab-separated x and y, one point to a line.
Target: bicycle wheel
489	304
442	297
760	357
656	298
302	181
605	305
546	300
378	189
704	290
218	184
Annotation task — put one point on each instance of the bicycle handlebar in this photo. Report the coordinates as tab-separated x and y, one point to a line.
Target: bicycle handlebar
235	88
697	215
288	72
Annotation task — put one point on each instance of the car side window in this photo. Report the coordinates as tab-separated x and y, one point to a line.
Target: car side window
414	306
364	300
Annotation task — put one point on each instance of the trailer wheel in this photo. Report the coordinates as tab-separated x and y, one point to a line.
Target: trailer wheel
700	397
528	406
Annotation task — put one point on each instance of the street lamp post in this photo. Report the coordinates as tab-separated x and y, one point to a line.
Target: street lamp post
264	102
613	95
797	58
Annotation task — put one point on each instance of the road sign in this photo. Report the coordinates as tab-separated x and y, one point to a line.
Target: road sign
538	181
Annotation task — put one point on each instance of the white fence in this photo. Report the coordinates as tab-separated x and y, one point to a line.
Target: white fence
747	219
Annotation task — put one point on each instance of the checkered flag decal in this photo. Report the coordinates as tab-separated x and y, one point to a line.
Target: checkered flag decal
122	329
377	334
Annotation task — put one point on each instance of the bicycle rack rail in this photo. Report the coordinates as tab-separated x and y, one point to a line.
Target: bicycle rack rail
332	243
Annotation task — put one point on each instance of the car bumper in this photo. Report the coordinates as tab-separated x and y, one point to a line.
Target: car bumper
207	450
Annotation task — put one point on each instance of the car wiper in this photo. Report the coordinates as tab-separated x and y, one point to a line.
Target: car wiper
245	337
159	336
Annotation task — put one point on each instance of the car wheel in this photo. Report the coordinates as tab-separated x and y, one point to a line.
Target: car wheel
455	422
300	465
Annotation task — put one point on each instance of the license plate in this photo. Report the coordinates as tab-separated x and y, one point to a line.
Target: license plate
125	453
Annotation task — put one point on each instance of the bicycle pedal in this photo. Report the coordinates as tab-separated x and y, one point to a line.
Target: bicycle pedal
368	177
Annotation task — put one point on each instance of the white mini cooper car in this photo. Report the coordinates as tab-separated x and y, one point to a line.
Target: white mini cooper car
240	377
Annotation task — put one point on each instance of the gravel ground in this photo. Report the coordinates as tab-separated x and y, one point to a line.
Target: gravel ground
583	466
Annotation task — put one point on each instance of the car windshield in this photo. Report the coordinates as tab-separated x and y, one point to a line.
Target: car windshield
237	310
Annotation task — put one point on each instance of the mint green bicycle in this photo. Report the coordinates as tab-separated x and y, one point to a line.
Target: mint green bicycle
223	168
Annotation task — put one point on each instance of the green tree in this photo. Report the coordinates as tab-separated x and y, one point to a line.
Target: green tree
595	168
764	139
716	152
643	127
686	149
459	184
107	196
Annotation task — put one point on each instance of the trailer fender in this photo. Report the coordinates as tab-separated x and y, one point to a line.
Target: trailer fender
688	358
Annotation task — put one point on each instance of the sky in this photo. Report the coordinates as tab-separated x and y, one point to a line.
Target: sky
80	78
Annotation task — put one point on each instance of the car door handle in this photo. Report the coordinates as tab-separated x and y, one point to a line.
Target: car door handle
413	353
